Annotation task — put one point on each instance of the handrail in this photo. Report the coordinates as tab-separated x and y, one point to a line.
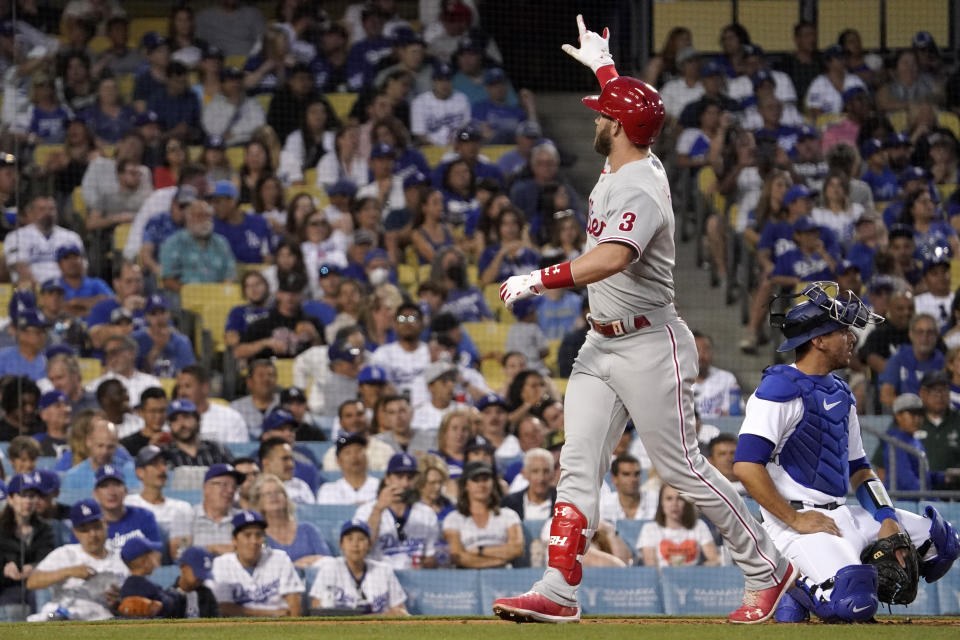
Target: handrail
920	454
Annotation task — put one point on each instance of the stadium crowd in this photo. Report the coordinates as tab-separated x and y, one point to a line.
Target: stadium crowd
253	267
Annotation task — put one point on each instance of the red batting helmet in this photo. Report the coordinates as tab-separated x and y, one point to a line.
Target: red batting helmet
634	104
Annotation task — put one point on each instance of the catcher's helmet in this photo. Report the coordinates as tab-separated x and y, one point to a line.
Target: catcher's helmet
634	104
821	314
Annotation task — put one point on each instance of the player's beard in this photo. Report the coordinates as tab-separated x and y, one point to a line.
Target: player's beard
603	141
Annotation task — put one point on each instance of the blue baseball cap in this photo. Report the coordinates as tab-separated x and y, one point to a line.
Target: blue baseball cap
156	302
845	265
923	40
57	349
470	132
348	439
913	173
278	419
523	308
31	318
343	351
212	51
870	147
354	525
490	400
84	511
796	192
49	481
415	179
51	398
109	472
402	463
222	469
328	270
247	518
807	132
442	71
375	254
530	129
20	301
224	189
153	40
405	36
215	142
833	51
181	405
897	140
136	547
854	92
760	77
199	560
148	454
804	224
24	482
494	75
3	487
372	374
68	250
711	68
53	284
383	150
231	73
145	118
342	187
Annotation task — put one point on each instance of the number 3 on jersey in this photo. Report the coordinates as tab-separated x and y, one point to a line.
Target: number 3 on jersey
596	227
628	219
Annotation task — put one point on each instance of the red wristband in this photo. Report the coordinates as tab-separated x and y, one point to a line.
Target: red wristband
607	73
559	276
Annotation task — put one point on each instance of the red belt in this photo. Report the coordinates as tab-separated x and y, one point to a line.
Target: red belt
619	327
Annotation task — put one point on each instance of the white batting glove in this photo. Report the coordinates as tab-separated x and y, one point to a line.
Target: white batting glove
594	51
521	288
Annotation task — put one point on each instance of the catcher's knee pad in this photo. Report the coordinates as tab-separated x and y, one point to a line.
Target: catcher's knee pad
853	597
790	610
946	543
568	541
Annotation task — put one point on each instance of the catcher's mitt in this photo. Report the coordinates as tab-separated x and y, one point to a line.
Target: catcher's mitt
897	585
139	607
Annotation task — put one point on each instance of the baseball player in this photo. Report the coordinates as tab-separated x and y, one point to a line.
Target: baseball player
800	452
639	359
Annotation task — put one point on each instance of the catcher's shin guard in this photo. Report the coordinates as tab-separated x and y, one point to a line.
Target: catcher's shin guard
946	543
568	541
853	599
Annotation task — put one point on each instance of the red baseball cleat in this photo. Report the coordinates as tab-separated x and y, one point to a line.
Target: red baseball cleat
758	606
534	607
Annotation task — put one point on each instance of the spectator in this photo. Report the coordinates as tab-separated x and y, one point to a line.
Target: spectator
167	174
455	18
907	86
152	412
352	419
356	486
495	544
627	501
856	110
162	226
368	53
825	94
263	395
406	359
251	471
177	105
436	114
942	425
282	424
513	162
26	538
162	350
404	531
496	113
63	374
493	426
686	88
293	400
256	291
142	558
712	79
123	522
288	113
932	238
677	537
248	234
395	416
908	415
31	249
286	331
196	253
186	447
98	448
376	589
525	391
23	452
114	206
231	114
526	337
884	341
527	194
937	300
535	502
26	358
440	378
300	540
274	591
79	575
120	353
181	34
151	78
54	409
513	254
118	58
906	368
232	26
809	261
309	139
878	175
276	458
452	439
720	453
81	292
173	516
716	391
212	519
109	118
218	423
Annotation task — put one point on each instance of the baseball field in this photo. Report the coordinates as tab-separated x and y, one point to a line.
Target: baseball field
420	628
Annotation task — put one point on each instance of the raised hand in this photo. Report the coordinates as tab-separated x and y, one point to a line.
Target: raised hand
594	50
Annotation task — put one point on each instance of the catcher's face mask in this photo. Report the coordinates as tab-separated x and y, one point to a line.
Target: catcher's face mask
825	310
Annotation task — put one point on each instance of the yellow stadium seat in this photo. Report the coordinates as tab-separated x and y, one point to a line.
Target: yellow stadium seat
6	292
79	205
490	337
862	15
770	22
492	372
949	120
167	384
491	293
433	153
284	372
824	120
423	272
410	257
946	190
553	347
42	153
125	83
406	275
90	369
906	17
120	234
494	151
898	120
194	296
310	176
140	26
195	151
99	44
264	100
560	384
235	61
703	17
235	157
342	103
473	275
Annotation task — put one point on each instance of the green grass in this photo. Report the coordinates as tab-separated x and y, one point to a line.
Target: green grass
469	629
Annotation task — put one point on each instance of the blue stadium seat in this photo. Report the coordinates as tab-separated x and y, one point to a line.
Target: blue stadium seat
629	530
164	576
444	592
46	462
318	449
701	590
193	496
242	449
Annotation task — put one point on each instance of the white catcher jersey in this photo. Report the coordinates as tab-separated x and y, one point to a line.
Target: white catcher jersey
335	587
397	545
633	206
272	578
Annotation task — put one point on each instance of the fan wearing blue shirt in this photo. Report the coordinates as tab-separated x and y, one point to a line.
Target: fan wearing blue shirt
163	225
248	234
905	368
256	291
466	147
498	117
26	358
809	262
151	79
123	522
161	350
881	179
367	56
48	118
80	292
177	105
866	235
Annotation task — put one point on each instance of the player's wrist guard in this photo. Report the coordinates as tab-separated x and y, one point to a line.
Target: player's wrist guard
559	276
606	72
874	498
